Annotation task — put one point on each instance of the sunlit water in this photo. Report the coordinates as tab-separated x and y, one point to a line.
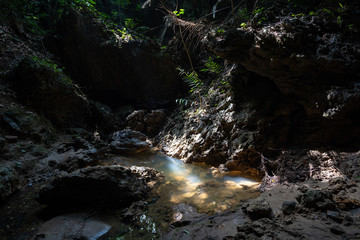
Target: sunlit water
200	186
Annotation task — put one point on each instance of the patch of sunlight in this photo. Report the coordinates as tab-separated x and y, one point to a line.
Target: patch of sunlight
188	194
202	196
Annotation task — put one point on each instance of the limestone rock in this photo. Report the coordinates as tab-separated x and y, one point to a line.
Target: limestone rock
259	208
129	142
149	123
99	186
320	200
260	229
345	203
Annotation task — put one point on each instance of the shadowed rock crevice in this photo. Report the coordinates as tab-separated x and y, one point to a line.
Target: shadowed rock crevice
115	71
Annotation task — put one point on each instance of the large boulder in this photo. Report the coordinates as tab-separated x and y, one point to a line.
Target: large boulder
116	69
99	186
129	142
147	122
43	87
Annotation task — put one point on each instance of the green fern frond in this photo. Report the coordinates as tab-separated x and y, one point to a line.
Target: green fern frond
212	66
192	79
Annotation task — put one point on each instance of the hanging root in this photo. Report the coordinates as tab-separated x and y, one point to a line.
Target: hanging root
191	31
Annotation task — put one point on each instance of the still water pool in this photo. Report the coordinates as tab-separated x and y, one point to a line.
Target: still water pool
200	186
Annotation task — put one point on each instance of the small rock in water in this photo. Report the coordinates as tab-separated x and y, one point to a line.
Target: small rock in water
288	207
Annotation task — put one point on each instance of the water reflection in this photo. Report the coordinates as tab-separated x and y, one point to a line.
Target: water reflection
197	185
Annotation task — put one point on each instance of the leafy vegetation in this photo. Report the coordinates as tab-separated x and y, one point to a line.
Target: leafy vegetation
212	66
50	64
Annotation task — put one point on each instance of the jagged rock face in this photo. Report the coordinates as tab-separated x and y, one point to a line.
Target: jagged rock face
99	186
212	136
313	68
298	55
117	72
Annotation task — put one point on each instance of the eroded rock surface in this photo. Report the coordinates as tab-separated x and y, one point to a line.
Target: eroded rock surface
128	141
149	123
99	186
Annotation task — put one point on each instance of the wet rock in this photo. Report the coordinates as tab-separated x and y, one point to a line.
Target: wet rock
248	162
129	142
9	181
334	215
184	214
259	208
134	211
320	200
72	226
99	186
150	175
288	207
